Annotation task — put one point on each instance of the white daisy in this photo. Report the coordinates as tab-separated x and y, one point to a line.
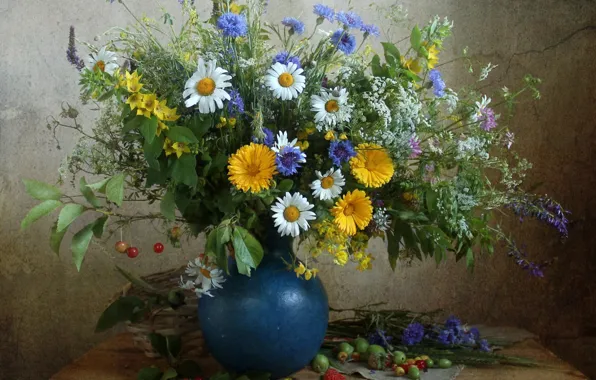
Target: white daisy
282	141
206	277
328	186
331	107
104	60
206	87
286	81
291	214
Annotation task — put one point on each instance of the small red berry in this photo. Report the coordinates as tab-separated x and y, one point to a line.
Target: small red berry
132	252
421	364
158	248
332	374
121	246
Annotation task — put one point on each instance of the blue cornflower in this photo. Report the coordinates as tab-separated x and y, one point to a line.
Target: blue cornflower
344	41
341	151
453	323
447	338
370	29
379	338
413	334
288	160
475	333
268	138
236	104
232	25
468	339
438	85
295	25
285	58
349	19
484	346
324	12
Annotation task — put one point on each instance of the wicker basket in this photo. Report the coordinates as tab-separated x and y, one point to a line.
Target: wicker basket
183	321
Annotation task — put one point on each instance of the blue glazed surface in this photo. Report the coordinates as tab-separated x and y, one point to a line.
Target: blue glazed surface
272	321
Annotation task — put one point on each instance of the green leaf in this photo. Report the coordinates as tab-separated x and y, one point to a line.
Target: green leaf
41	191
247	248
80	244
120	310
416	38
148	128
181	134
115	189
132	124
392	55
170	373
189	369
152	150
149	373
174	345
99	225
393	243
431	200
184	170
221	257
106	95
377	70
469	258
168	205
42	209
56	238
68	214
199	127
159	344
136	280
99	186
243	268
285	185
88	193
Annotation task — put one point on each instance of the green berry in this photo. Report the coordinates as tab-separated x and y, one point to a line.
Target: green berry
361	345
374	349
399	357
346	347
320	363
444	363
413	373
429	363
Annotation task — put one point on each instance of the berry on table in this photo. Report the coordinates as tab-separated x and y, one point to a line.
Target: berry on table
132	252
332	374
158	248
121	246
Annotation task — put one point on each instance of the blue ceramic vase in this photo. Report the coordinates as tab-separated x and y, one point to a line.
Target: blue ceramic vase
270	322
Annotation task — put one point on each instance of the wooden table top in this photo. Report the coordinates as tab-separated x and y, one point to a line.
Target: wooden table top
118	359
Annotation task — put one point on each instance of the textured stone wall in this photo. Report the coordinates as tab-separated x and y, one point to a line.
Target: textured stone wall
48	310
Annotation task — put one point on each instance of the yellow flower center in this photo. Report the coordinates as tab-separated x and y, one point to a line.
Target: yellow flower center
327	182
149	104
331	106
291	213
285	80
206	272
348	210
252	169
206	86
100	65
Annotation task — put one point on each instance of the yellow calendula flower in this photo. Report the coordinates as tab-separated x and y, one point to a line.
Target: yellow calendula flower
132	82
161	126
352	212
372	165
330	136
303	145
161	110
433	57
343	136
235	8
252	168
300	270
135	101
148	105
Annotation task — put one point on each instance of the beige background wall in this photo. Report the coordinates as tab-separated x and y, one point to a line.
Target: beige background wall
47	310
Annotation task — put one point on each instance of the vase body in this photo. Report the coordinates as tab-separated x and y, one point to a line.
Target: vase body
271	322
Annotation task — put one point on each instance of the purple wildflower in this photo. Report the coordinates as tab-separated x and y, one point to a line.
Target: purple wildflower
344	41
341	151
380	338
71	52
438	85
324	12
349	19
487	118
268	138
521	259
285	58
543	209
288	160
447	337
484	346
475	333
295	25
415	146
232	25
370	30
413	334
236	104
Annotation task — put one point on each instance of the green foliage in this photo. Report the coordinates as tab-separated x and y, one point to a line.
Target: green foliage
181	134
247	249
148	128
121	310
56	238
87	192
150	373
115	189
42	209
80	244
168	205
68	214
184	172
41	191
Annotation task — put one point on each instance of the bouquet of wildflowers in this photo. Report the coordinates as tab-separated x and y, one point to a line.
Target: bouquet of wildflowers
237	126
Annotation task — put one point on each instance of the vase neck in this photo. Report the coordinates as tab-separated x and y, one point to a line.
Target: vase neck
276	245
